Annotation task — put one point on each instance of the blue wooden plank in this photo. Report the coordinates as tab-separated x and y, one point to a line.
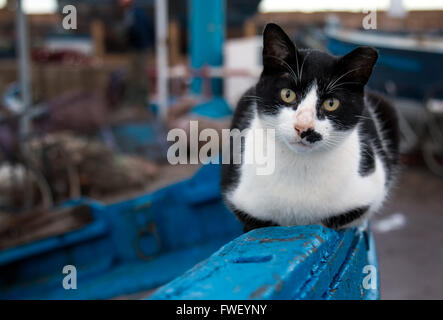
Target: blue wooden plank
373	293
348	283
304	262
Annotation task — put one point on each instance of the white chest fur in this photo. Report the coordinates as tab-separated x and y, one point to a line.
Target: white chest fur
306	188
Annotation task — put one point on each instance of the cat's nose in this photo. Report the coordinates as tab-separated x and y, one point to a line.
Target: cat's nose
304	121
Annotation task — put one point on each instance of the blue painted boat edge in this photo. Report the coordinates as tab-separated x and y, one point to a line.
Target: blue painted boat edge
373	294
95	229
125	218
304	262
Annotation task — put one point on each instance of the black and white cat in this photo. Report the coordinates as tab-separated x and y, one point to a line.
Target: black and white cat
336	145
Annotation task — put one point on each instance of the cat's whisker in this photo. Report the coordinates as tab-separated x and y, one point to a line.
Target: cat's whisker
340	84
298	70
252	98
364	118
343	75
303	63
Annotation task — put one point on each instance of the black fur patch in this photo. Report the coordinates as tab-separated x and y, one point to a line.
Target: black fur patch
367	160
345	218
311	136
251	223
242	117
387	138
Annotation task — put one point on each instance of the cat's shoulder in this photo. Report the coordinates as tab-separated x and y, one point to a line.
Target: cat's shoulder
245	110
383	129
243	115
385	113
380	104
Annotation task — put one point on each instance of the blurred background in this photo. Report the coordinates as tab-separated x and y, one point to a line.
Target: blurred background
90	88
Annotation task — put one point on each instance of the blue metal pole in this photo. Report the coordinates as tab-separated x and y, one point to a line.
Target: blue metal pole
206	38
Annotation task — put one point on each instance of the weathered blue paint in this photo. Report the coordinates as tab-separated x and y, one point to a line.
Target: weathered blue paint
305	262
131	246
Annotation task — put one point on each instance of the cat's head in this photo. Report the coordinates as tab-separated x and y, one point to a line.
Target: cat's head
312	99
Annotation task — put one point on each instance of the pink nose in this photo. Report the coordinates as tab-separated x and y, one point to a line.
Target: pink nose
304	121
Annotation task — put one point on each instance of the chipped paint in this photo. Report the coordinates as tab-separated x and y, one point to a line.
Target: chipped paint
258	292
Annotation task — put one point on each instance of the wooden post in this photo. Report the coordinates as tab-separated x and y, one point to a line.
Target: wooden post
174	42
249	28
98	38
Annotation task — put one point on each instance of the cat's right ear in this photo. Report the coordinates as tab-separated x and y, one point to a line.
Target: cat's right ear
359	64
277	46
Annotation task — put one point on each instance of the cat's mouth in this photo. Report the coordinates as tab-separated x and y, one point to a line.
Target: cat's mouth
305	145
302	144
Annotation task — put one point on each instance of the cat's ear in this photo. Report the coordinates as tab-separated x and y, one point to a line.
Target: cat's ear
276	45
357	65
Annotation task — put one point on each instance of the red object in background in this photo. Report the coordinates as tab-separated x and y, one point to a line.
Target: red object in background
125	3
59	56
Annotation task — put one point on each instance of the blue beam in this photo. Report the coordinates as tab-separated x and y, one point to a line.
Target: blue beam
304	262
206	38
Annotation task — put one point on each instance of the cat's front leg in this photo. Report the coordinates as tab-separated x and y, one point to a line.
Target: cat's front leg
251	223
346	218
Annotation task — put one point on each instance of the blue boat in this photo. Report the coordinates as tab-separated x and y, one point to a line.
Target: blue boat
412	63
129	247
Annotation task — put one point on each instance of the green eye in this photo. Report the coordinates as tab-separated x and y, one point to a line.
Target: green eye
331	104
287	95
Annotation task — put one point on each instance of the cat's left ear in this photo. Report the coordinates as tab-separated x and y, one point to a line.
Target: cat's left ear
358	64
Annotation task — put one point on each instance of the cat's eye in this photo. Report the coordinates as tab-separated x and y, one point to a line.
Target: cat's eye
287	95
331	104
